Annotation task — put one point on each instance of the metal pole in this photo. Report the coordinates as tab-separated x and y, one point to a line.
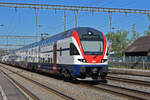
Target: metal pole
110	20
36	32
76	18
64	21
7	44
24	42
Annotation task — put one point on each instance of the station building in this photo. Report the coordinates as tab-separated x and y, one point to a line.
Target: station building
137	55
139	50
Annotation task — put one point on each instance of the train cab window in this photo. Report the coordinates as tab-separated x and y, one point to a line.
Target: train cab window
51	60
107	52
60	51
73	49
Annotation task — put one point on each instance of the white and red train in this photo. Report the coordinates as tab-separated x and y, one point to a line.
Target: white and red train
78	53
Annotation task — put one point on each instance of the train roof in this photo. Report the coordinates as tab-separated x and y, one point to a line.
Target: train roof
68	33
140	47
62	35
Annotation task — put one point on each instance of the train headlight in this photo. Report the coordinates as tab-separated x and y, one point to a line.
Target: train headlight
82	60
89	33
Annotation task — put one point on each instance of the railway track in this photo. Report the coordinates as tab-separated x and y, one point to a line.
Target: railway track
120	91
115	90
29	94
51	90
133	74
134	81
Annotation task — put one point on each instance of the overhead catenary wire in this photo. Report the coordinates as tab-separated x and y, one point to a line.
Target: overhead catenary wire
74	8
9	39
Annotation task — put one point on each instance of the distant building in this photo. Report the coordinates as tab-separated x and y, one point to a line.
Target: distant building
137	55
140	47
139	50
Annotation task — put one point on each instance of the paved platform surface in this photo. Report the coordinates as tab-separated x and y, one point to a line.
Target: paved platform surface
12	93
130	71
1	98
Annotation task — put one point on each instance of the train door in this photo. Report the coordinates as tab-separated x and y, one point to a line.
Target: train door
55	57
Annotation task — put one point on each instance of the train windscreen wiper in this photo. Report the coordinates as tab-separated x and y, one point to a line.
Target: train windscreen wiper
95	56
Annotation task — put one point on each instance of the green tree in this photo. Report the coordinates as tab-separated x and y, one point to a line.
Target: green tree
148	17
118	42
147	32
2	51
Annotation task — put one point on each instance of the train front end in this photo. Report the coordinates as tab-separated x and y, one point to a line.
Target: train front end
90	54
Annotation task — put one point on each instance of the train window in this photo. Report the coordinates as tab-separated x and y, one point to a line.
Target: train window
43	60
60	51
73	49
49	60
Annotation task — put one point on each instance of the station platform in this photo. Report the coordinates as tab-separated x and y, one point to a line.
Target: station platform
8	91
1	98
130	71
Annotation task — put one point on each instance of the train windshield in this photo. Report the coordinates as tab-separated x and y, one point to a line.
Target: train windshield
92	47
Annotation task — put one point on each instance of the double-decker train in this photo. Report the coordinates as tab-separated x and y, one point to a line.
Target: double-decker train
79	53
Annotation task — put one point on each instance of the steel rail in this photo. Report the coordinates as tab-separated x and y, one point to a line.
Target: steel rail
133	74
134	81
115	90
64	96
30	94
120	91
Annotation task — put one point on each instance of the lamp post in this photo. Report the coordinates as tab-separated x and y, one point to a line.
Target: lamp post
1	25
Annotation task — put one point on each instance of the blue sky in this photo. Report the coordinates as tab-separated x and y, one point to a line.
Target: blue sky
22	21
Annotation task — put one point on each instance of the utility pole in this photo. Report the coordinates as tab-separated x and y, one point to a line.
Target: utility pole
7	43
36	32
64	21
110	20
24	42
76	18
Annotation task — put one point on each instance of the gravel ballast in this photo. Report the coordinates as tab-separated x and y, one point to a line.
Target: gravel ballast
74	90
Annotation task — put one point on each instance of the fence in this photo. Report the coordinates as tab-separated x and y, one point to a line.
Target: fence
133	62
